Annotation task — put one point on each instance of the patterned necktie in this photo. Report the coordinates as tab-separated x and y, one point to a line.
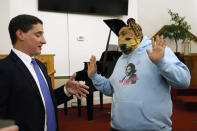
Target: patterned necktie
51	119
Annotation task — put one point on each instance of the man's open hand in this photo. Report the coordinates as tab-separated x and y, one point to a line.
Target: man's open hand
75	88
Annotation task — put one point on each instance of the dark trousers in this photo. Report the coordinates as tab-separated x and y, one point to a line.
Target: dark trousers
112	129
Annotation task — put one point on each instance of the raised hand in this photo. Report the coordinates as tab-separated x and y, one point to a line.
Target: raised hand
75	88
92	67
158	49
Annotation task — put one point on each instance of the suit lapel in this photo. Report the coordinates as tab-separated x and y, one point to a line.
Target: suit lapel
26	73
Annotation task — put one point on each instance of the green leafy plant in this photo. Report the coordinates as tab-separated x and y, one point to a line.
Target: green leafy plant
178	30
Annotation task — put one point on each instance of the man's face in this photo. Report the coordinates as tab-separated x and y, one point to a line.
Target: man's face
128	70
33	40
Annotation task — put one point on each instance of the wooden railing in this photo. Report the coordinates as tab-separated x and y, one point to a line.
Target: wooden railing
165	26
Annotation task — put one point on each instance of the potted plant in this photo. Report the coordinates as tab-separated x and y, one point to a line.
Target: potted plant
178	30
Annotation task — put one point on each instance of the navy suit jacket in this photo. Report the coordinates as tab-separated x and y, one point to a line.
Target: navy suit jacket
20	99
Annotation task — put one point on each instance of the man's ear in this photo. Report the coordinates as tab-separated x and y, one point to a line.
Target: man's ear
20	35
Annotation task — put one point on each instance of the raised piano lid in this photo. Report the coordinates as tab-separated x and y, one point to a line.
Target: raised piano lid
115	25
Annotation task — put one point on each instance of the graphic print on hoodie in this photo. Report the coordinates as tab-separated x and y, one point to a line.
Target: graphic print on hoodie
130	74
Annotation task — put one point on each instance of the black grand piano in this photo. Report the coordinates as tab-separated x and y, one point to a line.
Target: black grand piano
105	67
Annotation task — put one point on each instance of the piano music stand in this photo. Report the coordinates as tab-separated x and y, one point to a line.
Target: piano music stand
115	25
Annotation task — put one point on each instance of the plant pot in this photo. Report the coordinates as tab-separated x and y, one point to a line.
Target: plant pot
186	48
177	54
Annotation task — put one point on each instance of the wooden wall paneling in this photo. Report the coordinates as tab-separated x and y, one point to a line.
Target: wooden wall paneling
191	62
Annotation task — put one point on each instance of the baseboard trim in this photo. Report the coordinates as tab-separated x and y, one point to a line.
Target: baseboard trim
62	77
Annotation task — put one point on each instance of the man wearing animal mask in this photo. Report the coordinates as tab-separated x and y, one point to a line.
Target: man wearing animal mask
141	102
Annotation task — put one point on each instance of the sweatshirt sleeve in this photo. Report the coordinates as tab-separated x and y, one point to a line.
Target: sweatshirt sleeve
102	84
173	70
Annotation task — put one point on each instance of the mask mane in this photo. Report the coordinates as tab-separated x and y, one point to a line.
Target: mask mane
135	27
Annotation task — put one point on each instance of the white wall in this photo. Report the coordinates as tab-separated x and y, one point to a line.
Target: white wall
95	34
5	43
153	14
62	30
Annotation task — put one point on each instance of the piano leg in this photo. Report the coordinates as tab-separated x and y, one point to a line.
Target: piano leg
65	108
89	101
79	107
101	101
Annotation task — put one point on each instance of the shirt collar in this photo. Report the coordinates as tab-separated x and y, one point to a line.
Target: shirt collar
24	57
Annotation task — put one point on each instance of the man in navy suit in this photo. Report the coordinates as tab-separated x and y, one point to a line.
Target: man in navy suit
21	94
